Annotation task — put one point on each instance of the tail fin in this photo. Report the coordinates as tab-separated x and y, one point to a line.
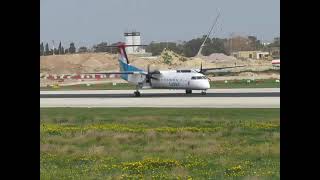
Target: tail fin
124	61
122	53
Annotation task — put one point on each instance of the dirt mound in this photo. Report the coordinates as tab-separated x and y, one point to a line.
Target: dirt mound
247	74
219	57
78	63
171	58
166	60
99	62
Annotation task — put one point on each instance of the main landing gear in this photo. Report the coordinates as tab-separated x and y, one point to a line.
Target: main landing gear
188	91
137	93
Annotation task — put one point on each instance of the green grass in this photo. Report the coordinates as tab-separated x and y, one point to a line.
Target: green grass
268	83
159	143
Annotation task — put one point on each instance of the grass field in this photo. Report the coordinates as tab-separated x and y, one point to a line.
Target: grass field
268	83
159	143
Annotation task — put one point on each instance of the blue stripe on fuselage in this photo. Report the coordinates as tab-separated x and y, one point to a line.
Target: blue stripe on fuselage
127	67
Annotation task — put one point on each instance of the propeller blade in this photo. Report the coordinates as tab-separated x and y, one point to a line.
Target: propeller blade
149	75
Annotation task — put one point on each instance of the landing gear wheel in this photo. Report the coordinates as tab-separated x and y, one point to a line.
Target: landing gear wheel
188	91
137	94
203	93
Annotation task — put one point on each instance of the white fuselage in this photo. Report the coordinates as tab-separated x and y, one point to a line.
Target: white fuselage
172	80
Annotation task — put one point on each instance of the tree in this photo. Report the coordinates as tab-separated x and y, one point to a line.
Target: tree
62	50
216	45
41	49
252	42
157	48
274	47
113	50
192	47
101	47
255	44
72	48
276	42
56	51
83	49
59	48
47	52
51	52
238	43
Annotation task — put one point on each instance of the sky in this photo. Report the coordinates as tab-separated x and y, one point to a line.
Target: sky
88	22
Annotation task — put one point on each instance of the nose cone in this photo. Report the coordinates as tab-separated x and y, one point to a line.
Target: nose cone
206	85
200	84
203	84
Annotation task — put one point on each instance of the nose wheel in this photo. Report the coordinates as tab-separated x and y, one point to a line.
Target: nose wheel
203	92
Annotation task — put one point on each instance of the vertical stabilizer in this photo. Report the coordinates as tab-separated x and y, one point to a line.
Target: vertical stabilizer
124	61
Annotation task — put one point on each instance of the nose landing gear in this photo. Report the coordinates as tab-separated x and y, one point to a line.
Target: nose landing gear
204	92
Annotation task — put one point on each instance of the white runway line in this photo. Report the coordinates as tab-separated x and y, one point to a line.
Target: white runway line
186	102
212	102
240	90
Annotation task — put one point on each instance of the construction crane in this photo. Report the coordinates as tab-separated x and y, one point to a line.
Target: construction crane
202	45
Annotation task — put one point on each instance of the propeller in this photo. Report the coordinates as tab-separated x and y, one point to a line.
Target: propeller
201	71
149	75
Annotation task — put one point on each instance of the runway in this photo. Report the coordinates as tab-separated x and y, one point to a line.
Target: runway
215	98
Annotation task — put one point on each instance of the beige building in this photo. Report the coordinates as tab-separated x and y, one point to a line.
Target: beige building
251	55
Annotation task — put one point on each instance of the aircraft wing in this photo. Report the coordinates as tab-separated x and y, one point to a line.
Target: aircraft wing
219	69
123	72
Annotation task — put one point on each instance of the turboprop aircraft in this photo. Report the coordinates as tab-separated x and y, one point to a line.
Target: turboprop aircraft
192	79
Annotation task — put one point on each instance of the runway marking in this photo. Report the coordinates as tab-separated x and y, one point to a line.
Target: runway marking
161	95
259	98
213	102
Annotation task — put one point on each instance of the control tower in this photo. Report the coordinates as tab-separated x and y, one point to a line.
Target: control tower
133	38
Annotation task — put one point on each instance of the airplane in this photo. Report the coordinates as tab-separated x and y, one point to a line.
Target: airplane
191	79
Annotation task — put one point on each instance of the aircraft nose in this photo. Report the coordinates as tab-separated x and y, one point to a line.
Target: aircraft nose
205	85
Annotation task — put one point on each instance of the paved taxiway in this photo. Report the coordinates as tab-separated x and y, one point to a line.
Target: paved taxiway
215	98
